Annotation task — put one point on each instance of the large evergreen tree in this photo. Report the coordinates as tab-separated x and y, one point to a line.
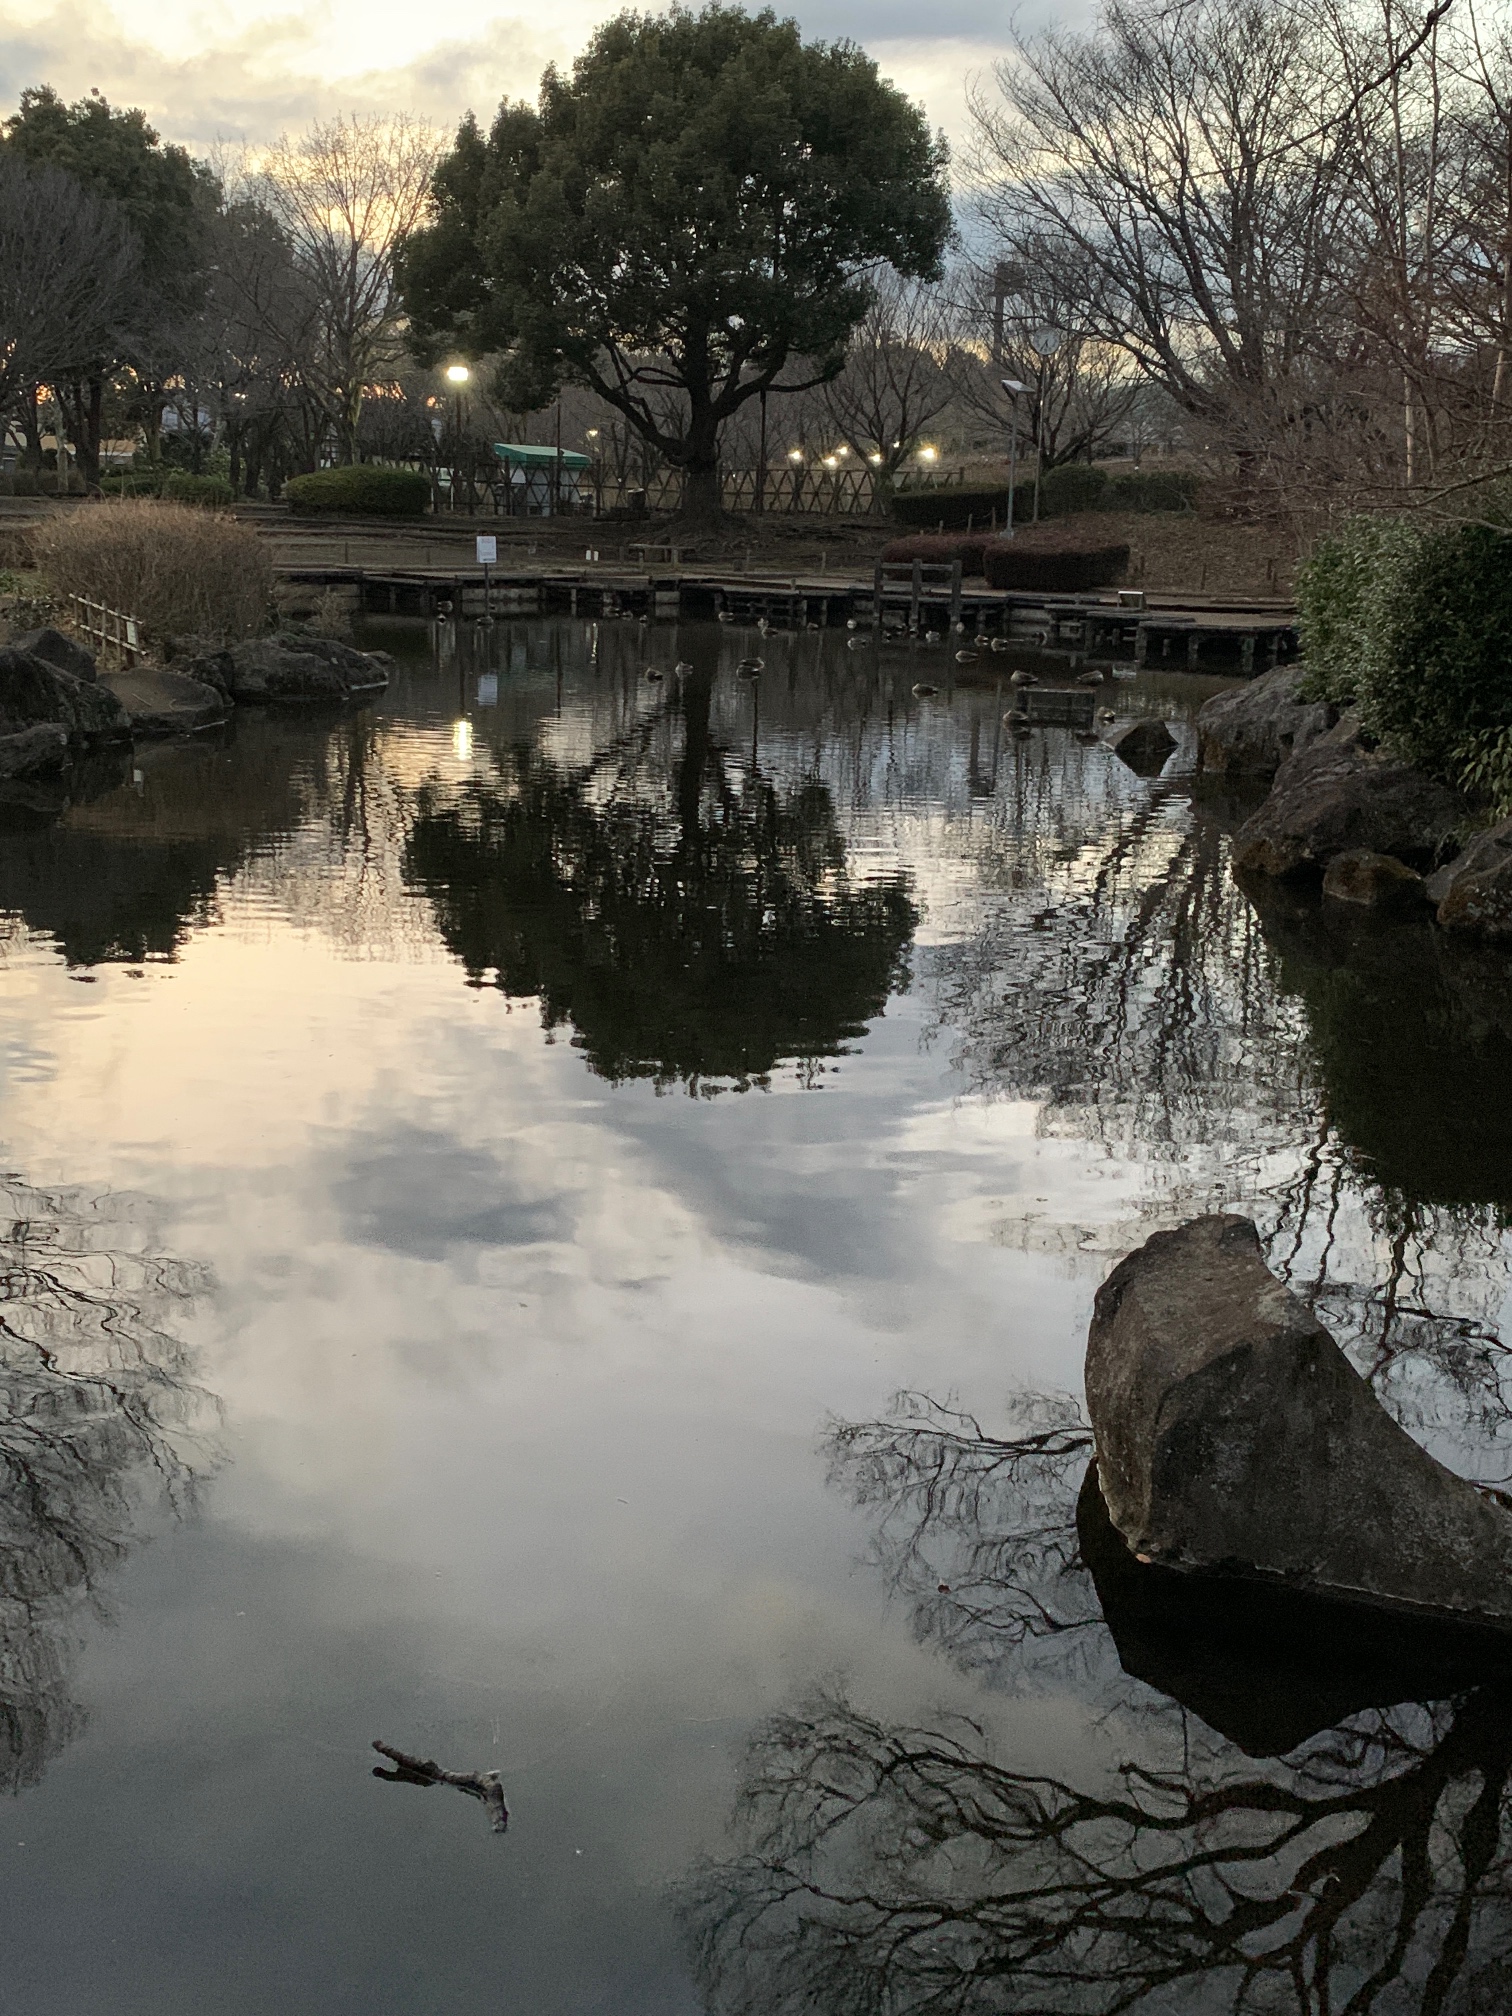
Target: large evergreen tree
700	205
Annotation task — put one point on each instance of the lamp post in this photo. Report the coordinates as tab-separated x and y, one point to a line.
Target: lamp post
1013	387
1044	343
457	376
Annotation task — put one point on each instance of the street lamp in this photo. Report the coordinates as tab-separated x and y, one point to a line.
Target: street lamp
457	376
1013	387
1044	343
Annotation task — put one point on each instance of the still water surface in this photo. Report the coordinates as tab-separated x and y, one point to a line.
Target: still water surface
481	1169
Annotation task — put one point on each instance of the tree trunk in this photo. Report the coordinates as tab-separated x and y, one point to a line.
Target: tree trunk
31	427
703	498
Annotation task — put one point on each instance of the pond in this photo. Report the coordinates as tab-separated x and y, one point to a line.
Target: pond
551	1223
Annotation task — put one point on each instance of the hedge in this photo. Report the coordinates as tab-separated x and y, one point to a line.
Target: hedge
1056	569
941	548
1409	621
182	488
360	490
1069	487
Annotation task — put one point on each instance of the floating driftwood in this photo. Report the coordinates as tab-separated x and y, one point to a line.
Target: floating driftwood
482	1785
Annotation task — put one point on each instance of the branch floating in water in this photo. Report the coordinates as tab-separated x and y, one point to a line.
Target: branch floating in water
482	1785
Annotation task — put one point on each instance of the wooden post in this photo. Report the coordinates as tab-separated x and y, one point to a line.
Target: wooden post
877	599
955	592
916	593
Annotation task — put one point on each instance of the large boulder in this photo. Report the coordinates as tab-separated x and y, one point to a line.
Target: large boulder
1375	881
33	752
34	692
1252	731
1474	892
164	702
1341	793
1145	746
292	667
1234	1438
67	654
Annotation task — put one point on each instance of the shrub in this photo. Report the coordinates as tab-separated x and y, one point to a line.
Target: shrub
941	548
362	490
176	568
1066	568
1152	490
128	483
955	508
1409	621
1073	486
213	491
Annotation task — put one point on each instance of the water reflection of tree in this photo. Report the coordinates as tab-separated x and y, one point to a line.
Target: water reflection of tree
100	1422
911	1868
688	919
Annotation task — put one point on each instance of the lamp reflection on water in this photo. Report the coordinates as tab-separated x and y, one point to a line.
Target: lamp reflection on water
462	740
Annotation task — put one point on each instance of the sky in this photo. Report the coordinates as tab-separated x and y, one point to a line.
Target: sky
242	71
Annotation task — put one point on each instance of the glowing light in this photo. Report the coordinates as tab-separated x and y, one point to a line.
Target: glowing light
875	460
795	454
593	433
462	741
929	454
832	461
457	374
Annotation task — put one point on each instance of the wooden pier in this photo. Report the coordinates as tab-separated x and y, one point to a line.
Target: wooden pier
1182	631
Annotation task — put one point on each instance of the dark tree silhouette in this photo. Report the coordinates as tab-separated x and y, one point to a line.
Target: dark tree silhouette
694	925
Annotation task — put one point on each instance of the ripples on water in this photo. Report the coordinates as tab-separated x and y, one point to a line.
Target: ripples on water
578	1088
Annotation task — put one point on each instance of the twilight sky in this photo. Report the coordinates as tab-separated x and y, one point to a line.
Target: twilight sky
235	70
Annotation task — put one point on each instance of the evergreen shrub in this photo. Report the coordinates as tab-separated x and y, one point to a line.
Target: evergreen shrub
361	490
955	508
1411	622
1152	490
179	487
1070	486
941	548
1065	568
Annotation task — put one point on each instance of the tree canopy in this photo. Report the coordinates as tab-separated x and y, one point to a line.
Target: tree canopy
701	204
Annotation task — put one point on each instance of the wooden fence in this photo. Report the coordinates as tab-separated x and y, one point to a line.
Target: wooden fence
110	629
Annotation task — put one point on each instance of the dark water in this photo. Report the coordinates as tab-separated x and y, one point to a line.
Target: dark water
481	1169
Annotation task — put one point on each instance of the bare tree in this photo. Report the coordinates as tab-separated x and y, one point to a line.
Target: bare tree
893	383
69	270
346	195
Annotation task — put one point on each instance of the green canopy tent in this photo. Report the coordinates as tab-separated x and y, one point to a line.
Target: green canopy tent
543	480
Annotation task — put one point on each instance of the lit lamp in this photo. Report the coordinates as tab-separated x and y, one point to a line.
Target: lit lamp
457	376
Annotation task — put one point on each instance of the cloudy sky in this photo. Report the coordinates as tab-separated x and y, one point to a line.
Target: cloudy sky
243	70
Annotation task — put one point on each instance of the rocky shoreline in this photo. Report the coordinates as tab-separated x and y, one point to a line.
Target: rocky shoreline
1341	810
57	705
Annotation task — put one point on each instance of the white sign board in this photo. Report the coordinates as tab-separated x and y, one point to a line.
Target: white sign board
488	549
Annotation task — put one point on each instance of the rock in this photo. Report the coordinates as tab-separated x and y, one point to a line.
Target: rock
33	752
1379	881
1339	795
33	692
1234	1438
1251	732
1144	745
211	665
67	654
1474	893
160	702
302	668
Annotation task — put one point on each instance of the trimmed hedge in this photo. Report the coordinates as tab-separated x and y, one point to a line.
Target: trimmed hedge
1068	488
360	490
940	548
1408	620
1065	569
182	488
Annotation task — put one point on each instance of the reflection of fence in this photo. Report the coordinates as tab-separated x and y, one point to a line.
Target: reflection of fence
108	627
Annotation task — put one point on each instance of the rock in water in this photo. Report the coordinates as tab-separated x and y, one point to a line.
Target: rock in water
1339	794
1250	733
161	702
33	752
293	667
1144	745
1235	1438
1474	893
65	654
1378	881
34	692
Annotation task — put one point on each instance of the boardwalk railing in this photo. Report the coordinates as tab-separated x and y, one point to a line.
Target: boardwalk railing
110	628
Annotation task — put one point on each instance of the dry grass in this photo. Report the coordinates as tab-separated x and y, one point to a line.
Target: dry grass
179	569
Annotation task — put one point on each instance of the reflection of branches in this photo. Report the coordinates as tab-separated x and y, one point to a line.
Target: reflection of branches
895	1870
973	1530
98	1417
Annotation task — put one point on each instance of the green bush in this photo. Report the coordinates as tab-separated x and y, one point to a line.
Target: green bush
1073	486
1409	620
362	490
956	509
1152	490
182	488
128	483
